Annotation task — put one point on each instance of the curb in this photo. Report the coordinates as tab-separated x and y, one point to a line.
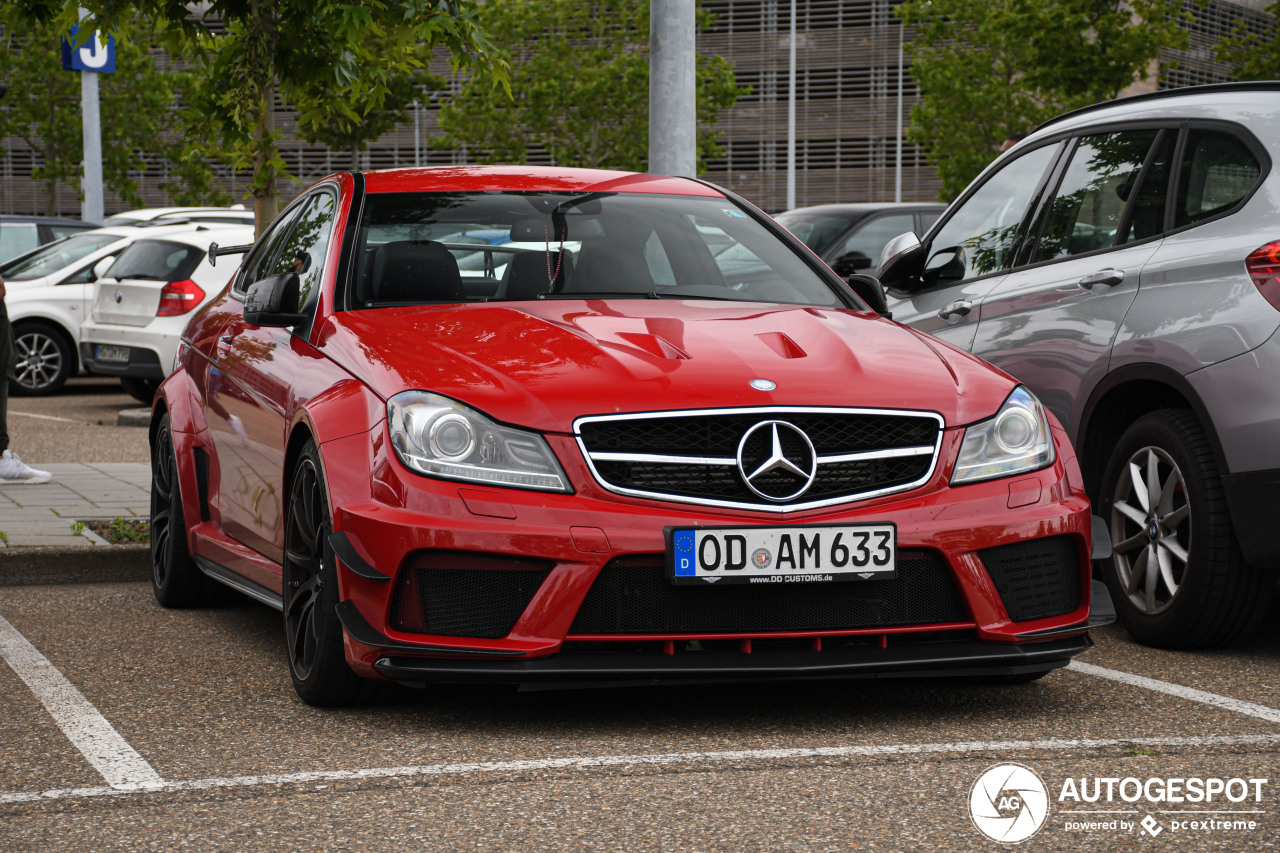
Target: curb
38	566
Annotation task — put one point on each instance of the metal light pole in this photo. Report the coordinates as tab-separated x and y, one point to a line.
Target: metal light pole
673	112
791	114
897	168
91	209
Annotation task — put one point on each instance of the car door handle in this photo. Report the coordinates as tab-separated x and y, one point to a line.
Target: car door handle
953	312
1102	278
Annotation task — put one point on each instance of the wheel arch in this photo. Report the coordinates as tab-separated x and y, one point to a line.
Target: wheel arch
1126	395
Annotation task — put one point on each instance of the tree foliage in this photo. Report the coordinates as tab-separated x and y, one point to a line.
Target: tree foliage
991	69
580	71
335	63
1255	56
136	103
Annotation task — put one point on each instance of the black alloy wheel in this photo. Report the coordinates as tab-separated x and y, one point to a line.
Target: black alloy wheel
45	360
313	634
175	578
1176	574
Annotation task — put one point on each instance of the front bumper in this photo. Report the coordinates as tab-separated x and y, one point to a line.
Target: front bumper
579	535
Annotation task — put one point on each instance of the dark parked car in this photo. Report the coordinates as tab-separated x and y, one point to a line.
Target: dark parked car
1122	261
850	237
21	234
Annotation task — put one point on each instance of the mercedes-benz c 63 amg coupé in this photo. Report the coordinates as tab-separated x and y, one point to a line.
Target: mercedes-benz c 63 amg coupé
547	425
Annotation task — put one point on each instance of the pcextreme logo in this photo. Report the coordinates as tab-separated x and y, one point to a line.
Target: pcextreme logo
1009	803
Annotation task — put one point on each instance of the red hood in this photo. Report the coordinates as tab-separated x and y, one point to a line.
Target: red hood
541	365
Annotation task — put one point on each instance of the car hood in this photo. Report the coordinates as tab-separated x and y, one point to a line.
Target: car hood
543	364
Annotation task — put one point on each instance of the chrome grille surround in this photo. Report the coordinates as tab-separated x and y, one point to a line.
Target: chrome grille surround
724	464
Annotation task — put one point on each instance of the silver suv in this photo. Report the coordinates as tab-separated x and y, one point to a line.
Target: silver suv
1122	261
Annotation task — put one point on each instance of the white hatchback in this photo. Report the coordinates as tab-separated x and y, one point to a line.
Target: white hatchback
143	301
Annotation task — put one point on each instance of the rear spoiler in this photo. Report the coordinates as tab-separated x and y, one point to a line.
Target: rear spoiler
215	250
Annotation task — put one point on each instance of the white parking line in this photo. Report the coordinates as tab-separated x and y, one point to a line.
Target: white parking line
586	762
103	747
1262	712
44	417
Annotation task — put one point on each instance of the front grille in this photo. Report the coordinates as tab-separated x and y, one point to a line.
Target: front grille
1037	578
457	594
695	457
632	596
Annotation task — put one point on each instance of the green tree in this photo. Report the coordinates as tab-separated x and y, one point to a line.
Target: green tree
580	69
290	50
137	103
1255	56
991	69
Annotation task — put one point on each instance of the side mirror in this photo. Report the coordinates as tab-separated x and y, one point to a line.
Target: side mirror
901	262
945	266
870	291
101	267
851	263
274	302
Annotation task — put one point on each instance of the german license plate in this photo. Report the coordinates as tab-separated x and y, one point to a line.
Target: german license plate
107	353
762	555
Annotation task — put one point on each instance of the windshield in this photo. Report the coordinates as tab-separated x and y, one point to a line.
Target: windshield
417	248
57	256
817	231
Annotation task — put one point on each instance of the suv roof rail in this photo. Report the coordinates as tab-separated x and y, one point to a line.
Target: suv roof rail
1248	86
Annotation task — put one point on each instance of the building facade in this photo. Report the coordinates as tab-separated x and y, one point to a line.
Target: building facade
852	84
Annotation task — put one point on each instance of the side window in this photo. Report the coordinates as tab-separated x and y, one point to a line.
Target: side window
17	239
1146	219
981	236
257	265
1086	212
84	275
865	244
307	245
1217	171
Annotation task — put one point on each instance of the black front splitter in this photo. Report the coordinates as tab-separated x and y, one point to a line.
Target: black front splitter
923	660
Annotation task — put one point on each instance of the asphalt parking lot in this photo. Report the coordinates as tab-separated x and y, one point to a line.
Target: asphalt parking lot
127	726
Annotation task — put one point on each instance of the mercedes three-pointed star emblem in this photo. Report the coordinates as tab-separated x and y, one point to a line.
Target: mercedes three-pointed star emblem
789	451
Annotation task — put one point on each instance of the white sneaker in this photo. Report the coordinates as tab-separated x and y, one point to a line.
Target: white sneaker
14	470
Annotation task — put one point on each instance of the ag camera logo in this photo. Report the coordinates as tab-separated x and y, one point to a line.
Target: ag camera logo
1009	803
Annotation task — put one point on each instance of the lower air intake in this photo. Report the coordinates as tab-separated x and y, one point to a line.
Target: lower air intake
464	595
1037	578
632	596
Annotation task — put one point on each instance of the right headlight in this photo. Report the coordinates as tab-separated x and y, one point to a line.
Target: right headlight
440	437
1015	441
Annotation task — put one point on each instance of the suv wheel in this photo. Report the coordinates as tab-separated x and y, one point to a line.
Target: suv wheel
1176	574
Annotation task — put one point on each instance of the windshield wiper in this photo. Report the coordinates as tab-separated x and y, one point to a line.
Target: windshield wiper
602	294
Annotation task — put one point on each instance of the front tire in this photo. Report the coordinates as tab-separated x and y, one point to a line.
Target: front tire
175	578
313	634
1176	574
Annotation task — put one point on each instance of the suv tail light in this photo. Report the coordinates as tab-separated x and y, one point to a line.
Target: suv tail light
1264	268
179	297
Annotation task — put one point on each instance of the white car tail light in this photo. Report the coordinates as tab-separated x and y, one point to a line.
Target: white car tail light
1264	268
179	297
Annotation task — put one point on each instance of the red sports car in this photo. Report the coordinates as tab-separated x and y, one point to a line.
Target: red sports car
544	425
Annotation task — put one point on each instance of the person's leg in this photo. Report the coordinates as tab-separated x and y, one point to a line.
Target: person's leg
4	413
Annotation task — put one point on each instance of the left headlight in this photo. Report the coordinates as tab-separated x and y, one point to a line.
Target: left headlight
439	437
1015	441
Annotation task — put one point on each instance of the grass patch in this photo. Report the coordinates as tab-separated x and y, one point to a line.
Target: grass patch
122	531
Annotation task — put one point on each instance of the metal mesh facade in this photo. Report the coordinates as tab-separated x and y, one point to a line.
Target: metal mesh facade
847	90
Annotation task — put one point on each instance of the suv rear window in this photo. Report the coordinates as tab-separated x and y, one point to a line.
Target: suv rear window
157	260
1217	171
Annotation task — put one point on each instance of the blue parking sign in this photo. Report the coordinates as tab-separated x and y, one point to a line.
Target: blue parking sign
94	55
